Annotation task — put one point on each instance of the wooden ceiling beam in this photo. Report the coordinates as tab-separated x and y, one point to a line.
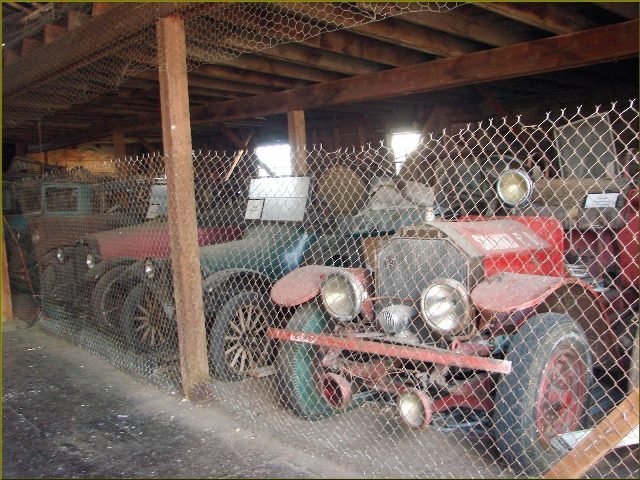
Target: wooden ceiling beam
627	10
290	52
551	17
246	76
487	28
82	45
603	44
397	32
256	63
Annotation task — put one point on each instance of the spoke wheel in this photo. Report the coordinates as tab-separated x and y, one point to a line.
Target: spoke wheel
238	344
145	324
106	300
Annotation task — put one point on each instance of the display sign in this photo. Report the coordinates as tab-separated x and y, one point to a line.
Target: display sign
601	200
278	199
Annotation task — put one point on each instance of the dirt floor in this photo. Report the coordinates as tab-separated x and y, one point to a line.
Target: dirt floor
67	413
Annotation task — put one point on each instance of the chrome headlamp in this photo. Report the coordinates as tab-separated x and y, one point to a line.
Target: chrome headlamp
342	295
35	238
515	187
60	255
149	268
445	307
90	260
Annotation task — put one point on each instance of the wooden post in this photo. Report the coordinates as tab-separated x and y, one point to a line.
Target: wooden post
176	137
7	305
119	149
600	441
297	142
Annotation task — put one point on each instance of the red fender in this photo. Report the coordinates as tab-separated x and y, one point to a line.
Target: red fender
507	299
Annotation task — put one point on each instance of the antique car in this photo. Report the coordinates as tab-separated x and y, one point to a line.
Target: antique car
53	213
478	315
90	282
288	227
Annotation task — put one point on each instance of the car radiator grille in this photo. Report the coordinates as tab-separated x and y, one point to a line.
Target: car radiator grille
408	265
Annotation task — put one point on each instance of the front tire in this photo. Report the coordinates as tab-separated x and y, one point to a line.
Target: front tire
298	368
546	393
238	342
145	324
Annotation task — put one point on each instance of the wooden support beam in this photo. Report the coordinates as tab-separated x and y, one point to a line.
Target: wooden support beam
7	305
100	7
613	42
603	44
150	148
391	30
480	28
185	259
29	45
602	439
551	17
9	56
76	19
119	150
51	32
297	142
81	45
624	9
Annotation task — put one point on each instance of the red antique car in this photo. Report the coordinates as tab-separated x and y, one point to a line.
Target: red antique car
474	315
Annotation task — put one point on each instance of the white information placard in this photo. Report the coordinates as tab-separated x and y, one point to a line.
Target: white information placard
254	209
601	200
152	212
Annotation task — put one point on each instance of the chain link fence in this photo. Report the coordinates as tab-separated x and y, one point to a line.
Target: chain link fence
470	316
216	33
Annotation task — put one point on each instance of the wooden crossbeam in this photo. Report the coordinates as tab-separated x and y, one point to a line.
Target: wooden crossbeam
81	45
602	439
603	44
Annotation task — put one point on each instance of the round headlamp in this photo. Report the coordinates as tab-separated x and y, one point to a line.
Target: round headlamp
90	260
35	237
60	255
149	268
342	296
445	307
515	187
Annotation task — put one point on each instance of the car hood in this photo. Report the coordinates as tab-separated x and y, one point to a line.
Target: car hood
151	239
271	249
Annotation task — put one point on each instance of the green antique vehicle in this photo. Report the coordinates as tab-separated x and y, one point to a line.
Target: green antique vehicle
291	223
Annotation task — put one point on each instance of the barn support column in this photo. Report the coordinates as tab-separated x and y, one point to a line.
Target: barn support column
176	137
7	305
119	149
297	141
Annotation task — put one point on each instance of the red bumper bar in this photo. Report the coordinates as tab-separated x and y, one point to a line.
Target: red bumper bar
420	354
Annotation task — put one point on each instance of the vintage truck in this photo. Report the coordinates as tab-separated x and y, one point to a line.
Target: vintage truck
50	214
478	317
289	227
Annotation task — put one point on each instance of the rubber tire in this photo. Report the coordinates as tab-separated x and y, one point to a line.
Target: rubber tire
101	289
296	371
219	328
133	298
514	414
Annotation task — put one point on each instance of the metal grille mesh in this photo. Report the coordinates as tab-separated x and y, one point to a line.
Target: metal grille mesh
502	377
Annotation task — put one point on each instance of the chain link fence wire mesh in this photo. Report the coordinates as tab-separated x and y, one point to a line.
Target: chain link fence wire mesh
470	316
216	33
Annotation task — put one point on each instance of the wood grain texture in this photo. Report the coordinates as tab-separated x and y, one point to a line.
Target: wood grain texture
185	259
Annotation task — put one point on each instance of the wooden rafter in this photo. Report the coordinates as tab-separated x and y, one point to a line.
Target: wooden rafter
598	45
551	17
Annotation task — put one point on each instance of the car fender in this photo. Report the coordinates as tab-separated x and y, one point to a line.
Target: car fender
303	284
533	294
94	274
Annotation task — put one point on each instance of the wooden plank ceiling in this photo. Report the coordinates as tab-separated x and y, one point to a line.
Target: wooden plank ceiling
519	52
